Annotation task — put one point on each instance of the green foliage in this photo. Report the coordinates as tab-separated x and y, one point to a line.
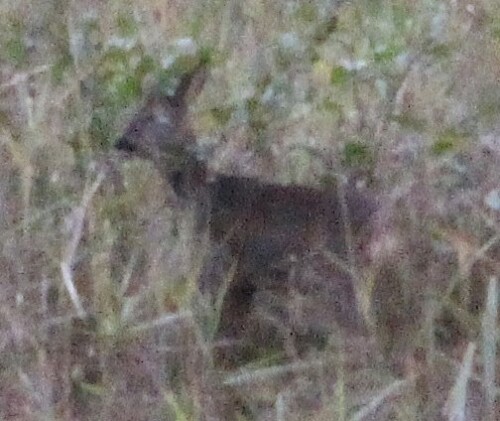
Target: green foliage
222	115
448	141
118	84
489	105
441	51
332	107
357	154
127	26
307	12
409	121
362	79
14	48
258	121
62	65
388	53
120	76
339	76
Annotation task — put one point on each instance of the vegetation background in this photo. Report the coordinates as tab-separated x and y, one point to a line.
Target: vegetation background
402	94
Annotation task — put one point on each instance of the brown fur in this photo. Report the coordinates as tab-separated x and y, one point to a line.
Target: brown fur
260	226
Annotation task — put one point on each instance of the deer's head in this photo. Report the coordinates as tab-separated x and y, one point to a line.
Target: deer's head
160	129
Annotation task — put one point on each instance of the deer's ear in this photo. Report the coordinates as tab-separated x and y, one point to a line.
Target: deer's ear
176	179
189	87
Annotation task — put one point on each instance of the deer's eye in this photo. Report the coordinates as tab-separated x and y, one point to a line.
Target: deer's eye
124	144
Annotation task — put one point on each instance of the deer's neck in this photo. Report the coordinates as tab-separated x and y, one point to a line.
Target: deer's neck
191	187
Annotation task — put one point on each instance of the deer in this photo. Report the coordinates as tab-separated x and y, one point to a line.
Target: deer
257	227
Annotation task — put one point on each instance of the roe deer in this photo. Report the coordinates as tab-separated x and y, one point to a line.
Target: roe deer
255	225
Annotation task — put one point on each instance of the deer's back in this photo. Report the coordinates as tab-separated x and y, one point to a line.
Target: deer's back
245	210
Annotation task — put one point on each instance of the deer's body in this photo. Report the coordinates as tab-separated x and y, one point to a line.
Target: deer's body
259	226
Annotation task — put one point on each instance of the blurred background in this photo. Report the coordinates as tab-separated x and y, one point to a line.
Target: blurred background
98	280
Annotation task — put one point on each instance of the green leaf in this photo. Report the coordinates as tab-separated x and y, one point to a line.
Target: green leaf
448	141
356	153
339	76
126	25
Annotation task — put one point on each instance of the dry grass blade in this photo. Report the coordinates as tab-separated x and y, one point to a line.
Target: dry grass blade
164	320
392	390
454	409
245	377
489	339
76	220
